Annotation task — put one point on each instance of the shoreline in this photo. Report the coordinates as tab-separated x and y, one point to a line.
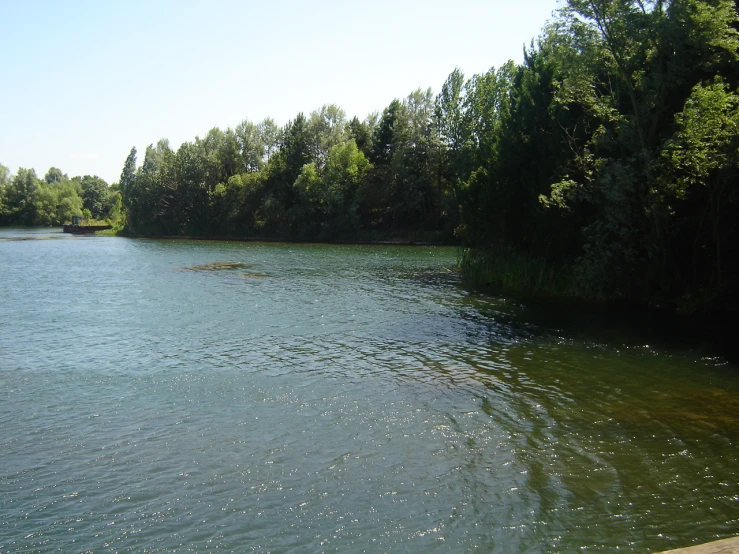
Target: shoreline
216	238
713	332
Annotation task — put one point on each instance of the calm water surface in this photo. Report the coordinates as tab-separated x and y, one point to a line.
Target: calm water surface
316	398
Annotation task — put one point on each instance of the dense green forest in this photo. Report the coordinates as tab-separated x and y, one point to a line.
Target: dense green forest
54	200
604	166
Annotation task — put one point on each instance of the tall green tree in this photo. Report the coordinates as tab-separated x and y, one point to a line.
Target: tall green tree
251	145
361	134
128	176
269	135
22	195
5	180
95	195
54	175
326	129
702	167
328	203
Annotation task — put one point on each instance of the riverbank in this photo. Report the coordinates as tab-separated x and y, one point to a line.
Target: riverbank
388	239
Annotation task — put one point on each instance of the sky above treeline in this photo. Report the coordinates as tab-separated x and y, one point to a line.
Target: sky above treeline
84	81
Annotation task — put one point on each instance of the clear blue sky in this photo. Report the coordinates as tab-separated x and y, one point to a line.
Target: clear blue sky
81	82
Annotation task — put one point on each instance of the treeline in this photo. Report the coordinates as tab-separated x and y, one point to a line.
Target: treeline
27	200
321	176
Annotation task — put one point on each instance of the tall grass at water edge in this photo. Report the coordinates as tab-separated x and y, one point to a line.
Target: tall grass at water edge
513	271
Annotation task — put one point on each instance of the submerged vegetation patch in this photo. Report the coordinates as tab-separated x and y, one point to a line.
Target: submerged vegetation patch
11	239
258	276
225	266
214	266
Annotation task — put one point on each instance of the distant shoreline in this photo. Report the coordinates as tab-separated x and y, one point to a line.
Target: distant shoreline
358	242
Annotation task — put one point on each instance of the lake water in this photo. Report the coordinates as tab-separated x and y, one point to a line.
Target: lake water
317	398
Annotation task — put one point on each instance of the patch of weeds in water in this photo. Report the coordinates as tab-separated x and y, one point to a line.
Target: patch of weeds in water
214	266
517	272
12	239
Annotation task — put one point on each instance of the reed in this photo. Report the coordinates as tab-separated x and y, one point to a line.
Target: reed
514	271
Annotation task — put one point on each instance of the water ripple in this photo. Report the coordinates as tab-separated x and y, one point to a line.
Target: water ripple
360	398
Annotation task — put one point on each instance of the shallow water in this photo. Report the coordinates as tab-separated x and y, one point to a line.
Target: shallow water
337	398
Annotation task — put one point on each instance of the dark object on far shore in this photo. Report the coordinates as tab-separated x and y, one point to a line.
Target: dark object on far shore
85	229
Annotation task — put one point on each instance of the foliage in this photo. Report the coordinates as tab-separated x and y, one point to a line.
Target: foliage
647	181
27	200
